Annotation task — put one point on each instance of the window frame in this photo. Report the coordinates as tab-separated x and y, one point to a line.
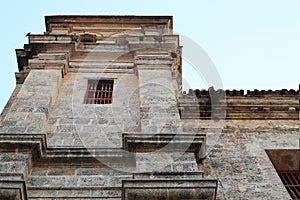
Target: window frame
99	91
291	181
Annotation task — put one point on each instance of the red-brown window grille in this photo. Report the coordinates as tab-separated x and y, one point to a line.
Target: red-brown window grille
291	181
99	92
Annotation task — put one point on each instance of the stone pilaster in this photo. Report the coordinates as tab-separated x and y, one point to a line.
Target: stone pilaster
30	108
158	105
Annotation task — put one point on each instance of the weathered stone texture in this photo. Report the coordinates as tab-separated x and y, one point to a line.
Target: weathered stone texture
158	105
30	108
72	123
166	162
237	156
234	105
151	142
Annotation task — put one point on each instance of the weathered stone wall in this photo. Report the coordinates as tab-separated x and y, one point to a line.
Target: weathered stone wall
14	170
150	138
77	183
9	103
31	106
73	123
233	104
236	155
158	107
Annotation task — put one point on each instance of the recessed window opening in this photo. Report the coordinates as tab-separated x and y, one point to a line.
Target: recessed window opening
286	162
99	92
87	38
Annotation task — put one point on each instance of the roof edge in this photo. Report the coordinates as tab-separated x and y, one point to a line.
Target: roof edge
142	19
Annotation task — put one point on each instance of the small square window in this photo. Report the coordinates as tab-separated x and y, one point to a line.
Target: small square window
99	92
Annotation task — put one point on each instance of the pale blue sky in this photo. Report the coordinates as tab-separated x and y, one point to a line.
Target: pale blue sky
253	43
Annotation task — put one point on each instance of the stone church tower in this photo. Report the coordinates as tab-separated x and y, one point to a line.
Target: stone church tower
98	113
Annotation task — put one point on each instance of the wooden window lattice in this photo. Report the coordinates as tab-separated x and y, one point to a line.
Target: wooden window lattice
291	181
99	92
